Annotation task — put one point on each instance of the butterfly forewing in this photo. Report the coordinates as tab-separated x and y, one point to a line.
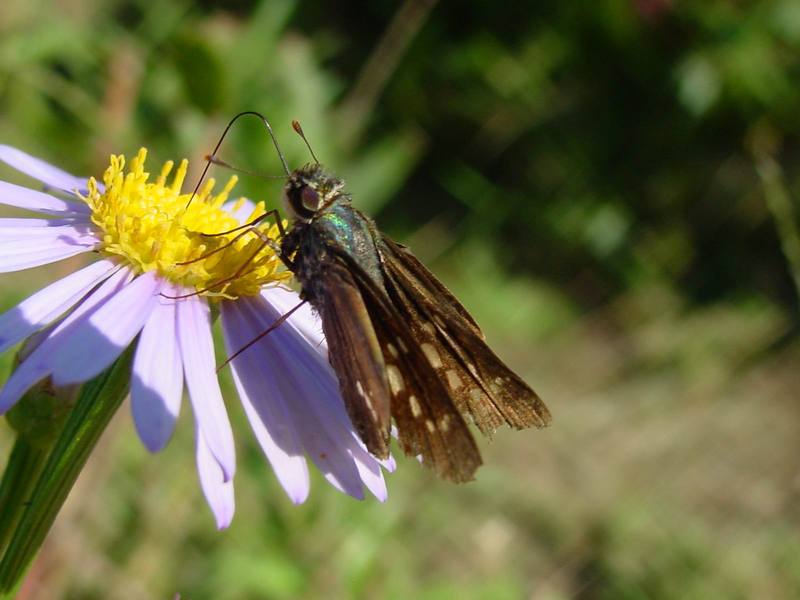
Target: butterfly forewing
355	354
478	381
429	424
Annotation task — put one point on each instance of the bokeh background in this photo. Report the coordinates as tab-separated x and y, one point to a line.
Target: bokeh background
611	188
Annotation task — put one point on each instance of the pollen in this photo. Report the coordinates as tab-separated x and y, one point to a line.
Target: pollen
155	227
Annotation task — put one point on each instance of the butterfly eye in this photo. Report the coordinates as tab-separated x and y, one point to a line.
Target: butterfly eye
301	200
310	198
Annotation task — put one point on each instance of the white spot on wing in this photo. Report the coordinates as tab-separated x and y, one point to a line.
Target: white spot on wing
428	327
444	423
395	379
453	380
429	424
416	410
392	350
367	400
431	354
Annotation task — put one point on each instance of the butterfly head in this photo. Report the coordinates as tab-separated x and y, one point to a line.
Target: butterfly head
309	189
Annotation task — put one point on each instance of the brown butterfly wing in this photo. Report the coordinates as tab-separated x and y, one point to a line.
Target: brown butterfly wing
480	384
355	354
429	425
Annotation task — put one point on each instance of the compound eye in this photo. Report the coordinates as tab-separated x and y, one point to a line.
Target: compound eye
302	201
309	198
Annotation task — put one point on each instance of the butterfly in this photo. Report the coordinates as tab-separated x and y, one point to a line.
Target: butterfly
404	349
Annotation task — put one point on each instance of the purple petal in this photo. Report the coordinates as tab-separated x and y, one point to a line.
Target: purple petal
303	319
308	386
268	414
157	384
390	464
19	254
66	230
241	214
48	304
22	197
39	169
10	227
369	469
309	325
197	352
38	364
98	340
216	488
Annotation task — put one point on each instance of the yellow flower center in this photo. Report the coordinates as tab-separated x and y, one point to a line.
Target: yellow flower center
155	228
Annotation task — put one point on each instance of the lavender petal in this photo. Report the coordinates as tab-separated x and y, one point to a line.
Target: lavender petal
308	386
98	340
49	303
268	414
16	255
303	319
22	197
217	489
197	353
157	384
39	364
41	170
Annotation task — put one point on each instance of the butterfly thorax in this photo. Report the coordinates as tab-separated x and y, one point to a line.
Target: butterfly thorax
335	232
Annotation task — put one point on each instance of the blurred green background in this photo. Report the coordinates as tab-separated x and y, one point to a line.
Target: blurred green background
611	189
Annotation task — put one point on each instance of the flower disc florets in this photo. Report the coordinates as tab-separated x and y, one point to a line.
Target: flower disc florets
155	228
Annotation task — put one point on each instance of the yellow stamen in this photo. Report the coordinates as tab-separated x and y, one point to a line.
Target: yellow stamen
150	225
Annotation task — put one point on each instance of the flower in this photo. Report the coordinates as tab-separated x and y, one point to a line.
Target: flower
159	271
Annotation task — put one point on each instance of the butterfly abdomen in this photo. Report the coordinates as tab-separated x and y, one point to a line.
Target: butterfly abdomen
316	248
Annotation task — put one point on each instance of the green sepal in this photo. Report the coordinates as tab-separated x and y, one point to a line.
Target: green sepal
39	416
96	403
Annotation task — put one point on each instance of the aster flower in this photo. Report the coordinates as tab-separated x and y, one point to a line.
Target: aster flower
157	276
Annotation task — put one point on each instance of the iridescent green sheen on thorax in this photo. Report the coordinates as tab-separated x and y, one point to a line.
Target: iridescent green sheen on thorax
353	232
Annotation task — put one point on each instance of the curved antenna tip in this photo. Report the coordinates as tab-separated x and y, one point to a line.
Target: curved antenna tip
296	126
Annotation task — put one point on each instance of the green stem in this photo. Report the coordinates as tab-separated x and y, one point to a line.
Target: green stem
24	466
96	404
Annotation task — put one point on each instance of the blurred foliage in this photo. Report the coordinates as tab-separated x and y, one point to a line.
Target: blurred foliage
593	179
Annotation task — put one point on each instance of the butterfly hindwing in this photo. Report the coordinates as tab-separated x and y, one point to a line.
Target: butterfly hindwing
479	382
429	424
355	354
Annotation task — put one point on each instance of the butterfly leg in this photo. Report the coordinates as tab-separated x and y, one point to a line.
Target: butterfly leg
247	227
239	272
278	322
251	224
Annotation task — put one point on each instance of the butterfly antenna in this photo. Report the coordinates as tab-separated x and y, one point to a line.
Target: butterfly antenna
299	130
210	158
226	165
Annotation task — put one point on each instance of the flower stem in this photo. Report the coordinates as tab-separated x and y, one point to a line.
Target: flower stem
24	465
96	404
